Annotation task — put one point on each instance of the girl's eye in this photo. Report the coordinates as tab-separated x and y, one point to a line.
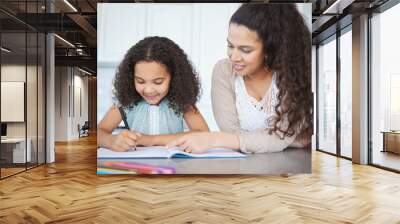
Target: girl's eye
230	46
158	81
246	51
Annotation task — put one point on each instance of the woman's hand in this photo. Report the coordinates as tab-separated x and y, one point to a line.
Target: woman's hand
125	141
195	142
301	142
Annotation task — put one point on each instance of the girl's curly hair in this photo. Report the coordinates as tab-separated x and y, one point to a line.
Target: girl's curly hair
184	89
287	48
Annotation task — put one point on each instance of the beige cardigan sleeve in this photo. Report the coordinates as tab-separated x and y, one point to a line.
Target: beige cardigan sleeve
225	114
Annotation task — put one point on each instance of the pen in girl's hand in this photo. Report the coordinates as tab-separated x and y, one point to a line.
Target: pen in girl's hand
126	140
138	135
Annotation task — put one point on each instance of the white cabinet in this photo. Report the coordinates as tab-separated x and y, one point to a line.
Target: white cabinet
16	147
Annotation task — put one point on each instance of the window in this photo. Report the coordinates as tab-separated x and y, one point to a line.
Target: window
385	89
22	65
346	93
327	96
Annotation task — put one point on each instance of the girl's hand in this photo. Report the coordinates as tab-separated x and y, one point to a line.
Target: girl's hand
197	142
125	141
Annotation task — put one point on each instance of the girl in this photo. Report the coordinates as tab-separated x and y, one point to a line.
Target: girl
156	89
261	94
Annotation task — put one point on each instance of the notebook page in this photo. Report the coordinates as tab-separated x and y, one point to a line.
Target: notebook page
140	152
163	152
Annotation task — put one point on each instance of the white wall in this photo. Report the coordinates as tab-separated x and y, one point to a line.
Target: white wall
314	90
80	110
33	126
70	83
200	29
16	73
61	103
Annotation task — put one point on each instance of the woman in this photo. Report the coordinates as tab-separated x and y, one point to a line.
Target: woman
261	94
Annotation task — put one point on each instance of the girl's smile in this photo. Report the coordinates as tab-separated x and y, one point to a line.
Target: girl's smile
151	81
151	98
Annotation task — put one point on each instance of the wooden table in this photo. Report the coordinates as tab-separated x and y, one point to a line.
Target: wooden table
289	161
391	141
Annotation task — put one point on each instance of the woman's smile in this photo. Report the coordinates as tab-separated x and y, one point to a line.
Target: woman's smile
238	67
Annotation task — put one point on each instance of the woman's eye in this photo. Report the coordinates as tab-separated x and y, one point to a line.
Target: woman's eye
246	51
158	83
230	46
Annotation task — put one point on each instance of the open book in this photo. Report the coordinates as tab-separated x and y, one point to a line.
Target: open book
163	152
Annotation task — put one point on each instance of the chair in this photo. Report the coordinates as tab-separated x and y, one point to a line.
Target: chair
84	130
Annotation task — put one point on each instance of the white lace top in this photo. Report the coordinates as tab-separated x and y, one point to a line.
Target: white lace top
226	109
253	115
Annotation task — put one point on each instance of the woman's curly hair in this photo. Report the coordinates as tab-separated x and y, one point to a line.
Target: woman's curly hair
287	47
184	88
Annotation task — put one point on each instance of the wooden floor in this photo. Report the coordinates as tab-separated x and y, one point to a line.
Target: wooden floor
69	191
10	171
387	159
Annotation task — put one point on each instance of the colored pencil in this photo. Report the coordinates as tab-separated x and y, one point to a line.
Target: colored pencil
140	168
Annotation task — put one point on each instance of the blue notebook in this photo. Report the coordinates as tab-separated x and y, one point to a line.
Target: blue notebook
163	152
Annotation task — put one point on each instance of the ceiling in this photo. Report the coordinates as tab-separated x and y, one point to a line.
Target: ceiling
76	22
